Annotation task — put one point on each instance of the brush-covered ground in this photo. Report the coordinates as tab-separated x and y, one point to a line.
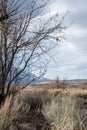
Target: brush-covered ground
56	106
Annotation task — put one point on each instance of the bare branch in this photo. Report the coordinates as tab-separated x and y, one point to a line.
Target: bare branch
25	36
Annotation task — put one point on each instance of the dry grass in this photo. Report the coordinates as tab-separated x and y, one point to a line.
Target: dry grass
65	114
62	108
19	108
83	86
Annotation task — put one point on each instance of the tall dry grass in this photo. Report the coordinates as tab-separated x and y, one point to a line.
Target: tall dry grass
65	113
17	109
63	109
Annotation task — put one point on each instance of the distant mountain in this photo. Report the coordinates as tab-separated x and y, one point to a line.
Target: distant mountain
77	80
29	78
42	81
26	78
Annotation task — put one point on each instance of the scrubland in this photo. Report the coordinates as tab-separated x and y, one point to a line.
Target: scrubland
46	107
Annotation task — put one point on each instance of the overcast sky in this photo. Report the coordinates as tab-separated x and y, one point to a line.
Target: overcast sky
71	62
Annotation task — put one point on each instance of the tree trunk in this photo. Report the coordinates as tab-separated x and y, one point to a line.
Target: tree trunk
2	98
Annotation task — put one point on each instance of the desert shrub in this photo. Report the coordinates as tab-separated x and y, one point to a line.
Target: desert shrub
60	84
37	98
65	114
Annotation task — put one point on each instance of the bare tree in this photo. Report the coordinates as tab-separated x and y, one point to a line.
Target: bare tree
26	38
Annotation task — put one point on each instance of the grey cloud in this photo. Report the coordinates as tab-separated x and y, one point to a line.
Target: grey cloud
72	59
77	5
78	11
79	19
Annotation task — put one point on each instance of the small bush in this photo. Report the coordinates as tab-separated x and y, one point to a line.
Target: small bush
60	84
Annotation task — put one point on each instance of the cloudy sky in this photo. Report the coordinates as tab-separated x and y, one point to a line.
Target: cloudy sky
71	62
